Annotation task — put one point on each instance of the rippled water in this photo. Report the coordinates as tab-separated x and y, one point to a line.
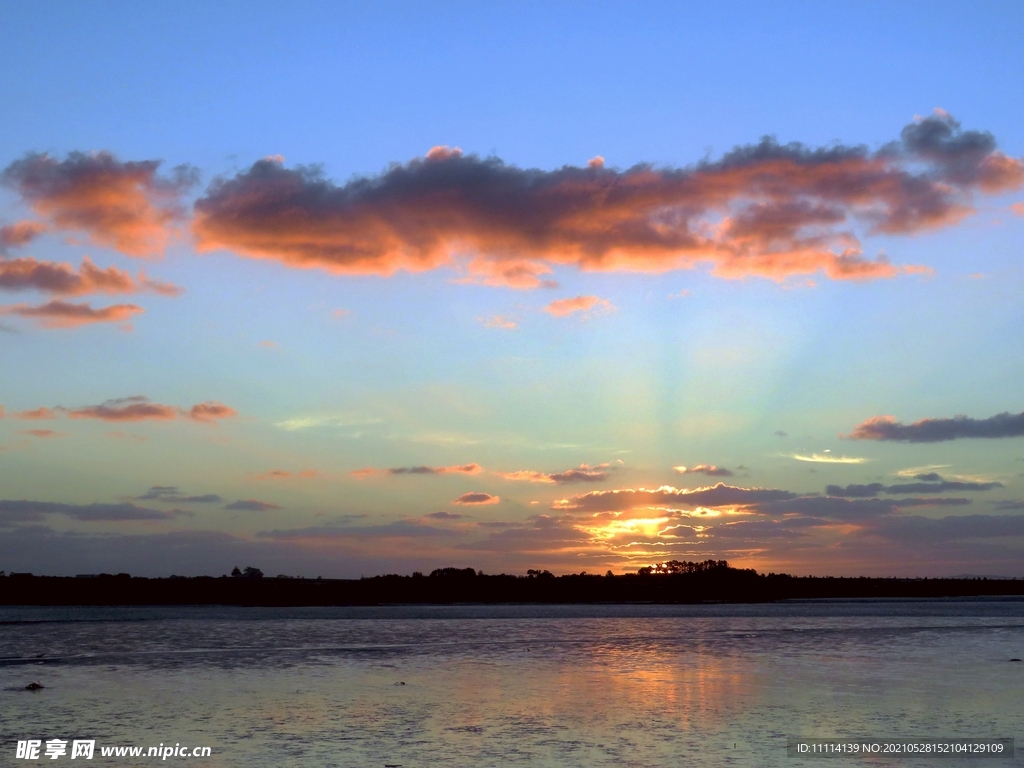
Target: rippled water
511	685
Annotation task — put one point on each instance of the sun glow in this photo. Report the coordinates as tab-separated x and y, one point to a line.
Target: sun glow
610	529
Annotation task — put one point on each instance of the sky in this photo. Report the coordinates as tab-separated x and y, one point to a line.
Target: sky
339	289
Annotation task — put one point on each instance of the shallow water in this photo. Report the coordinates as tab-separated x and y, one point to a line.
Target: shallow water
581	686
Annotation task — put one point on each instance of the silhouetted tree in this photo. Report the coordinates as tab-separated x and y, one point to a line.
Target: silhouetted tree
450	573
533	573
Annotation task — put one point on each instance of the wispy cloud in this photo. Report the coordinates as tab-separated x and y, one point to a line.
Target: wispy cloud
171	493
457	469
283	474
326	420
916	471
497	321
826	458
42	433
37	414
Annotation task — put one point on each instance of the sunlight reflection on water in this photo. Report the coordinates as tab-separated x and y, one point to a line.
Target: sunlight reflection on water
498	686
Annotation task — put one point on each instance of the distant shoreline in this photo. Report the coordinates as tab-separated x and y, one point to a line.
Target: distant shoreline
465	586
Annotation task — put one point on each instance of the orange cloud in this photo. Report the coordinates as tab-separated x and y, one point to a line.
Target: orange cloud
521	274
139	408
565	307
769	210
63	314
122	205
1018	208
476	498
61	279
158	286
136	408
210	412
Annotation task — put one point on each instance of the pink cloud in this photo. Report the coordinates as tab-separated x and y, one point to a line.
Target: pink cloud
918	269
565	307
63	314
1018	208
582	474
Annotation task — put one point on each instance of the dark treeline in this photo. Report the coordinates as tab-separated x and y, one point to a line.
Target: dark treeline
711	581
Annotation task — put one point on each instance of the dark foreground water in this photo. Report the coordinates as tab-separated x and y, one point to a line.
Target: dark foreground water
581	686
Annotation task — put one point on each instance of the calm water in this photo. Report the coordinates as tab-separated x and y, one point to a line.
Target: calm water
581	686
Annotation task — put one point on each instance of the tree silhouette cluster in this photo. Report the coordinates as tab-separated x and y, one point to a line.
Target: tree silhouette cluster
683	566
248	573
672	582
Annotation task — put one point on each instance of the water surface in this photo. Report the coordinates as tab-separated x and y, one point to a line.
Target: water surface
585	686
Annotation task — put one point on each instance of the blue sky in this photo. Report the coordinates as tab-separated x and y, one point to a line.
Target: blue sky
327	370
